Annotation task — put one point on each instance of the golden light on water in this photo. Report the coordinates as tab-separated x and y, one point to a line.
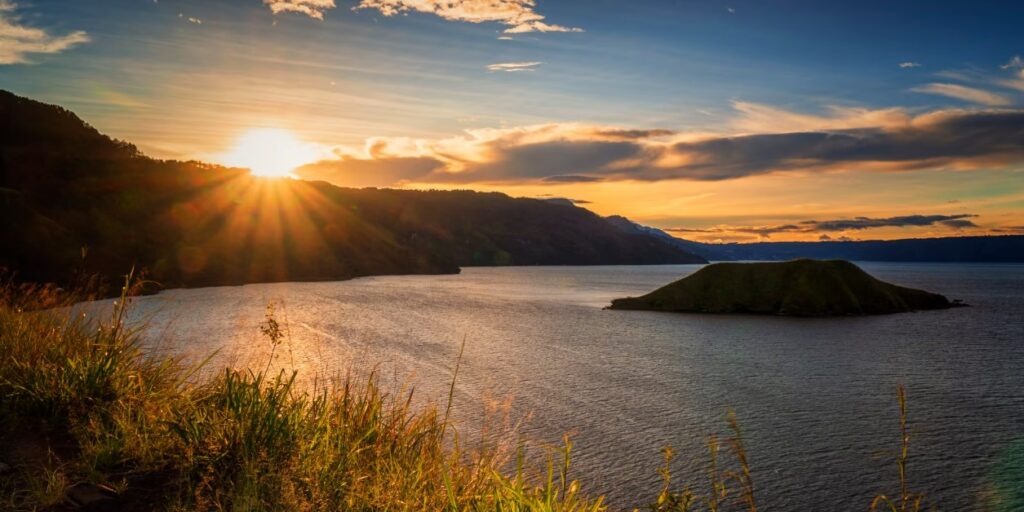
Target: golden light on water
271	152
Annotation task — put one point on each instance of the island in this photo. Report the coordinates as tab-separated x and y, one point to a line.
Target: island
804	287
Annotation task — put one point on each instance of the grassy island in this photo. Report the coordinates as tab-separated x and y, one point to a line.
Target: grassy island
792	288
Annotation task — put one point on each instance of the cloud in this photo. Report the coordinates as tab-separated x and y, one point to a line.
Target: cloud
959	223
571	178
1014	63
518	15
377	172
758	118
824	227
566	201
908	64
17	41
553	160
761	231
1017	82
633	134
962	92
860	223
1014	83
949	139
879	141
313	8
511	67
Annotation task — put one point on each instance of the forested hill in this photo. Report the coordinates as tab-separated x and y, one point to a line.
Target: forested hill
75	202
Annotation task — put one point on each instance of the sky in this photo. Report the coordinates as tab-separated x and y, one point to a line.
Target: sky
731	121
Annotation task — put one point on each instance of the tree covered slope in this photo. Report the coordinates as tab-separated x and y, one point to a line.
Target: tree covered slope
75	202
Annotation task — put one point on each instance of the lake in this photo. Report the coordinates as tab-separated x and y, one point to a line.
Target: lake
816	398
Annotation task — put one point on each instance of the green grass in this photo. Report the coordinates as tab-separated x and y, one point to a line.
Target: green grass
80	403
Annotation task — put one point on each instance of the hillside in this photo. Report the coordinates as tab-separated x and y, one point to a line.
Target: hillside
76	202
989	249
792	288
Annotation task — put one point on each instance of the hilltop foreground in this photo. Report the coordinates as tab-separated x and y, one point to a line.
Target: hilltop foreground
792	288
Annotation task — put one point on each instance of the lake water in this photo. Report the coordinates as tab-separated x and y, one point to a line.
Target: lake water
815	397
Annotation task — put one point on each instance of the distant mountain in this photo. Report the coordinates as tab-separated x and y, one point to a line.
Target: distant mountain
1008	248
75	202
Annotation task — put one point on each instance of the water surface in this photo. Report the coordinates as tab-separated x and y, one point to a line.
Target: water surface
815	397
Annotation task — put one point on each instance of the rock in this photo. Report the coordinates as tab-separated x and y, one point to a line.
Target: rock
793	288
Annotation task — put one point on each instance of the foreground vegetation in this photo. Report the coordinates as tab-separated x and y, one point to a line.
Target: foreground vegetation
88	422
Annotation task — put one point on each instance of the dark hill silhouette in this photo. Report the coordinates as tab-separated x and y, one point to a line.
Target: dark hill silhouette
792	288
76	202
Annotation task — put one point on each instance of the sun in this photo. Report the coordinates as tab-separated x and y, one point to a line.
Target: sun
271	152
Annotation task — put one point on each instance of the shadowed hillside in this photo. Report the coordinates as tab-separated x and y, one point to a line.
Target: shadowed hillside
76	202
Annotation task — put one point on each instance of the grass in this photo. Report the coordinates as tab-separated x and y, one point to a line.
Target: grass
82	407
794	288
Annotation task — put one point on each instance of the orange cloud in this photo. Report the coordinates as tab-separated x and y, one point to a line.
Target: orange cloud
518	15
953	222
312	8
965	93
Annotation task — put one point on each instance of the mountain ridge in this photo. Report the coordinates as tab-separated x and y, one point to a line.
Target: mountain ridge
978	249
77	203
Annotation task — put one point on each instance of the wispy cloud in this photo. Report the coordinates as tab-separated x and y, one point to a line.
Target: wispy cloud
760	118
518	15
18	41
956	222
962	92
909	64
510	67
860	223
1015	62
312	8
